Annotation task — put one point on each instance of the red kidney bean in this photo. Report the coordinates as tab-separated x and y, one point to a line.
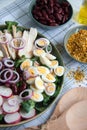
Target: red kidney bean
42	18
45	1
51	12
53	24
14	89
47	10
56	9
51	3
36	17
44	14
43	22
22	87
60	10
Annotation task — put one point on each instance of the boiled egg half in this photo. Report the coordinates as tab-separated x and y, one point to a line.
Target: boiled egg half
38	52
33	71
50	89
39	83
41	43
26	64
59	71
48	78
54	64
43	70
37	97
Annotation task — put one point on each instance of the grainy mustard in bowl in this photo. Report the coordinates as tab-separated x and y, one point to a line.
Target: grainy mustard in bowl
75	43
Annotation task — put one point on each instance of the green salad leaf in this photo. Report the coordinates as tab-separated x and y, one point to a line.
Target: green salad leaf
19	61
1	117
10	24
27	105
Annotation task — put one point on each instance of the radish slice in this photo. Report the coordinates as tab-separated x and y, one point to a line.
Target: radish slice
5	92
12	118
1	100
14	100
28	115
10	109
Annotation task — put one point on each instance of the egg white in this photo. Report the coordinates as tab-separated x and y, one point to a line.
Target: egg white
39	83
48	78
26	64
59	71
42	70
50	89
38	52
37	97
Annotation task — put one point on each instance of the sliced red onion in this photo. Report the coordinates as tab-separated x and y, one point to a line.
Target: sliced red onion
4	38
16	79
26	75
26	94
9	63
21	46
1	65
39	47
47	48
5	77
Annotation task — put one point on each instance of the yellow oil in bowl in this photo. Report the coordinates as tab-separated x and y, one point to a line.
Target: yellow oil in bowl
82	16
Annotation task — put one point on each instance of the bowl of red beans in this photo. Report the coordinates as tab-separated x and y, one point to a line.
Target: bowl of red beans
50	14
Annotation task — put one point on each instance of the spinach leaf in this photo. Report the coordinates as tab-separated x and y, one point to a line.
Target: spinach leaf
19	61
1	117
27	105
9	25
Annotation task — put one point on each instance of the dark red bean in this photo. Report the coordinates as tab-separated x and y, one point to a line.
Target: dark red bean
60	10
14	89
42	18
66	9
43	22
44	13
47	10
22	87
56	9
53	24
51	3
36	17
45	1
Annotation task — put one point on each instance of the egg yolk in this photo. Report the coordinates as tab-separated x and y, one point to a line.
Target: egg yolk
32	72
50	89
59	70
36	95
49	76
54	62
41	70
39	51
25	65
41	42
40	83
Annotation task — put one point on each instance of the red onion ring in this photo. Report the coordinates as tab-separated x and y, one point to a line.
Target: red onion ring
29	91
5	38
22	43
8	63
14	80
49	51
6	79
1	65
26	75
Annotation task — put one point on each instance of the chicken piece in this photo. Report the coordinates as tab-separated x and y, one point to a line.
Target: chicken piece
29	38
4	51
16	34
11	51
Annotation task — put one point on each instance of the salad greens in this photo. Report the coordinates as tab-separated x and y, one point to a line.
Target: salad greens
10	24
27	105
